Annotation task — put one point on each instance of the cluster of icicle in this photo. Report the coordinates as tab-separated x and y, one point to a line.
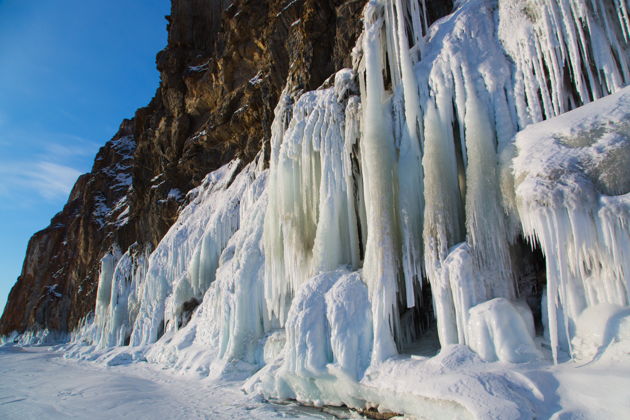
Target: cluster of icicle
573	195
407	175
399	173
140	298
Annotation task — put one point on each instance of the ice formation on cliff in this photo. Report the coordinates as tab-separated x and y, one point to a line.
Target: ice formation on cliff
406	176
572	192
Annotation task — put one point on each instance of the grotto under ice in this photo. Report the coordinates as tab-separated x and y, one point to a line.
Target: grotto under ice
410	200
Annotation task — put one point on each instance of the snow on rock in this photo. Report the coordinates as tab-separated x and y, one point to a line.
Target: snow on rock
52	291
125	146
174	194
120	182
572	189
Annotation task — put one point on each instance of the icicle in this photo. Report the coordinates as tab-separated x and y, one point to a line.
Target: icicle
441	218
103	297
380	268
311	224
351	168
551	36
624	21
409	166
485	220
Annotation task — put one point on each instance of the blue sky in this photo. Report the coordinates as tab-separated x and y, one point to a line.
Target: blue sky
70	71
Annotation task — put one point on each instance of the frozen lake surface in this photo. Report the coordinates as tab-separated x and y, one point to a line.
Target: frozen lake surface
40	384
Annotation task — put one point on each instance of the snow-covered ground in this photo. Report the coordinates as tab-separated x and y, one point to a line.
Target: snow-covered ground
38	383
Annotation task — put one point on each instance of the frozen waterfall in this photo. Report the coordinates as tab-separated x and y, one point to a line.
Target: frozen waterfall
417	173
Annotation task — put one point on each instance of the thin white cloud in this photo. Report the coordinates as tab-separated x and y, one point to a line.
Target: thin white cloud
51	180
47	171
47	179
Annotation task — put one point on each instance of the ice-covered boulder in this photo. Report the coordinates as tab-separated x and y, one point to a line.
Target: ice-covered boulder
328	340
501	330
330	322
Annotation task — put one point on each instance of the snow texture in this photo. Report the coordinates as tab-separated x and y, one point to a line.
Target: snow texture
40	384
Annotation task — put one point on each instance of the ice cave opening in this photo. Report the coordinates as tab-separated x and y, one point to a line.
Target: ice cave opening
421	324
418	324
531	277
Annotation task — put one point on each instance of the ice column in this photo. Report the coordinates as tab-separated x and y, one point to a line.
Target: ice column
410	176
116	303
311	223
103	295
377	148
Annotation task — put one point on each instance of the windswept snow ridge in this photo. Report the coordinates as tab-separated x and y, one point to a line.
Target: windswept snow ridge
394	207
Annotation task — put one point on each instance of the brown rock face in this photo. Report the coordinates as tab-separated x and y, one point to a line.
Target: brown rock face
222	73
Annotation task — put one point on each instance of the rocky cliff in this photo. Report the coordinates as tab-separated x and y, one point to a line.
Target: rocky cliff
222	72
